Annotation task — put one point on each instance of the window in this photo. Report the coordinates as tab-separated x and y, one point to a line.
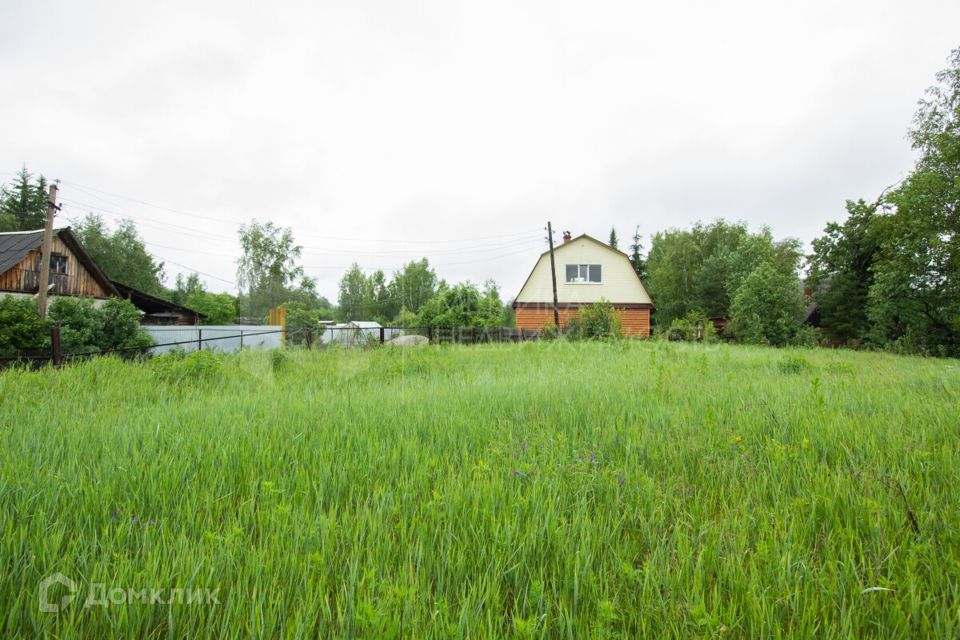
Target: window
581	273
58	263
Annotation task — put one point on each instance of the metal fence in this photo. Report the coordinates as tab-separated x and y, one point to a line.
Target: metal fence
230	338
225	338
361	337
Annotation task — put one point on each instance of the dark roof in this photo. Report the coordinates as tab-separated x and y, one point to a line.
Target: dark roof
152	305
15	245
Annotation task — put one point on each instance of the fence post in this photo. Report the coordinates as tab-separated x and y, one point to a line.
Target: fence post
309	338
473	335
381	334
429	335
55	344
241	339
199	339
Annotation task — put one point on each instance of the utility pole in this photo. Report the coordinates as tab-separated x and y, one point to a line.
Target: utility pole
45	251
553	276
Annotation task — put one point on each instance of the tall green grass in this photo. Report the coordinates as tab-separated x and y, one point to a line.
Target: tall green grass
532	491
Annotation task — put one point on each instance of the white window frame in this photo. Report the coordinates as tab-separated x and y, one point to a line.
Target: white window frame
583	274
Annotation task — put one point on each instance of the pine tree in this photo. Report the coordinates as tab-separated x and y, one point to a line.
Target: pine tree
636	255
613	238
23	203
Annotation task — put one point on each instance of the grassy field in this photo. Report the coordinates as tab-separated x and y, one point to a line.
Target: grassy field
536	490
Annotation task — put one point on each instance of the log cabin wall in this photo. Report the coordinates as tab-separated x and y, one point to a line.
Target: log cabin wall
76	282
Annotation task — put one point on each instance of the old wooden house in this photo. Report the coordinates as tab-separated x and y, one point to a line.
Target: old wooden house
72	271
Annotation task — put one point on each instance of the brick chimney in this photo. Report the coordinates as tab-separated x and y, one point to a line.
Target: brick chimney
566	237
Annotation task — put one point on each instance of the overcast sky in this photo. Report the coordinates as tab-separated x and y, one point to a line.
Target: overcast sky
382	132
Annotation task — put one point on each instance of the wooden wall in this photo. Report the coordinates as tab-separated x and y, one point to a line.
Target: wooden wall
77	282
635	322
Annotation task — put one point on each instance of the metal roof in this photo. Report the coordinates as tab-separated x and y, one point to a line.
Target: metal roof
364	324
15	245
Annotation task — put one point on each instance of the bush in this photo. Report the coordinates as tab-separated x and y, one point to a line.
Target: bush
549	331
693	327
463	305
21	328
87	328
120	328
599	320
80	324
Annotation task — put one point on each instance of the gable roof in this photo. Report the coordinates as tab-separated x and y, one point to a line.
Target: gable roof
152	305
15	245
558	248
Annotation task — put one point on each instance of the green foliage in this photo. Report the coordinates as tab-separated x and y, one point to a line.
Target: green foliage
23	202
355	301
269	267
768	306
21	329
217	308
300	319
693	327
79	323
121	254
701	269
890	275
613	241
413	285
841	273
591	490
120	326
596	321
84	328
463	305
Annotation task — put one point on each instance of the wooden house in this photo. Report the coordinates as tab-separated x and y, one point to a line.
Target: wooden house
587	271
72	271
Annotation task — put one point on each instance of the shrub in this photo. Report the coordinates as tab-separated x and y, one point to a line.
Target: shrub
120	327
21	328
79	324
87	328
599	320
693	327
549	331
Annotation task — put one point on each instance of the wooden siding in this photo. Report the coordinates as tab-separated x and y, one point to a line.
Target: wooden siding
635	322
76	282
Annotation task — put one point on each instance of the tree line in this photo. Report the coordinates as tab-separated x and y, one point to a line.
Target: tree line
884	277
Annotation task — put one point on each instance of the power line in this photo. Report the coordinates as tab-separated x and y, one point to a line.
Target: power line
87	189
72	204
197	271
